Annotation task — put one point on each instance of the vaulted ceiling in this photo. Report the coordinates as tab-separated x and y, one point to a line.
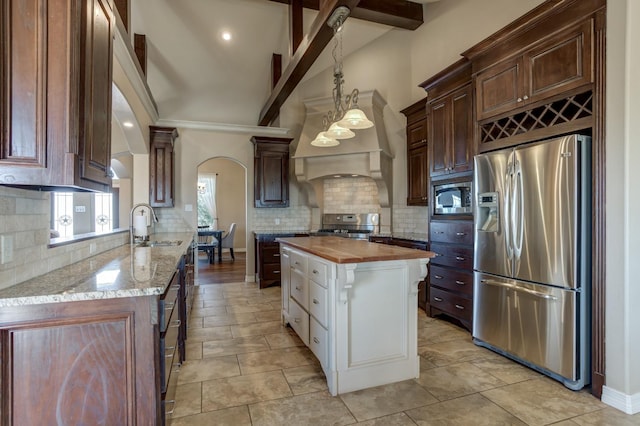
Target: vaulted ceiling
195	75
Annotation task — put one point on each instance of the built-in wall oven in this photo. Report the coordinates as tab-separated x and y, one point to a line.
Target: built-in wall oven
452	198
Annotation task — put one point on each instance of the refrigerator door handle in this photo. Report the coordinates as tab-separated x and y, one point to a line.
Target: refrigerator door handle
518	288
518	211
507	212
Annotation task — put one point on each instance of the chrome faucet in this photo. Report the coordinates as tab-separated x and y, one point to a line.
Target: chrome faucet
153	216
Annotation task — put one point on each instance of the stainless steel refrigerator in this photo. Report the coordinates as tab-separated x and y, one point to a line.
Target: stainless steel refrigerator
532	260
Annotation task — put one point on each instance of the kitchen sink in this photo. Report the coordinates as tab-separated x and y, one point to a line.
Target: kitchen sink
164	243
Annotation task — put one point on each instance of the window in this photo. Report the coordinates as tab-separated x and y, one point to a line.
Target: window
74	213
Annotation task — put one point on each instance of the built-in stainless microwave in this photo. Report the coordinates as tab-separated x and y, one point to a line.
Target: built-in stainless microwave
452	198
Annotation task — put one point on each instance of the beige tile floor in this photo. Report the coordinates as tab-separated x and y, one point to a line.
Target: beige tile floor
244	368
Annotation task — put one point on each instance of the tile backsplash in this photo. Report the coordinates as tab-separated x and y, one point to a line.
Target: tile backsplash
351	195
24	238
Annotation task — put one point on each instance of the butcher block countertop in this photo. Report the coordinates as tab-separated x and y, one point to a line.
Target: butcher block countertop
345	250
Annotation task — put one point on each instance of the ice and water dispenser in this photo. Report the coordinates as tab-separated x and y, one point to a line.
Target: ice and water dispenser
488	212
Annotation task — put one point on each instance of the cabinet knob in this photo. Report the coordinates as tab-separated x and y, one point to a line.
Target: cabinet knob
315	271
519	100
315	301
296	320
437	299
437	277
298	288
460	307
525	97
460	282
315	340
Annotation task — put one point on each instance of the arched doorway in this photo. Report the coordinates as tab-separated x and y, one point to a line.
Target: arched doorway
230	199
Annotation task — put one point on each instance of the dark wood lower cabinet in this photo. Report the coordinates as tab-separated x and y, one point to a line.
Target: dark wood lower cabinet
109	361
89	362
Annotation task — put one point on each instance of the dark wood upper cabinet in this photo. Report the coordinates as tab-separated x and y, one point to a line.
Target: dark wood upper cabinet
161	166
450	120
417	154
554	65
271	171
56	79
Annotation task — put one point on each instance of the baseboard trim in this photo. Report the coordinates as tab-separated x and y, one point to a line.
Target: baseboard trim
630	404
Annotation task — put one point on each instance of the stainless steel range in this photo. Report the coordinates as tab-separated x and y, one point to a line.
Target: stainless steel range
349	225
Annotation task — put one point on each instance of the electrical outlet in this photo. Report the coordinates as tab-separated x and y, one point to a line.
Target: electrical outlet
92	248
6	249
188	207
277	221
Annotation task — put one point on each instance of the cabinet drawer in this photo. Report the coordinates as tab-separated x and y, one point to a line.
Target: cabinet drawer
299	321
169	399
417	245
167	302
300	288
319	342
451	279
450	303
318	271
454	256
299	262
451	232
318	305
271	271
270	254
168	346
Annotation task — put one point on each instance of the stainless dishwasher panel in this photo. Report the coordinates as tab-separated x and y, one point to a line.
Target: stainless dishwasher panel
534	323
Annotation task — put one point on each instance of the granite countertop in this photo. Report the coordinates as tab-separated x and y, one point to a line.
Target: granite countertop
126	271
346	250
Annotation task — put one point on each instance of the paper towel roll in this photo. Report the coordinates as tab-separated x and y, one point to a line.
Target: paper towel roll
140	226
142	264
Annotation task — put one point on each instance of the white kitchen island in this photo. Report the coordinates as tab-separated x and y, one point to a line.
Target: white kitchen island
354	303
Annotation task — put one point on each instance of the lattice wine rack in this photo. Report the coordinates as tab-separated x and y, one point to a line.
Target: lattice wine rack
557	112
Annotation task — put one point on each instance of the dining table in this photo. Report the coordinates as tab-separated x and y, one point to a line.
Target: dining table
217	234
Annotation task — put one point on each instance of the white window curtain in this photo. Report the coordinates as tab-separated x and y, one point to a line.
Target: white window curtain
207	195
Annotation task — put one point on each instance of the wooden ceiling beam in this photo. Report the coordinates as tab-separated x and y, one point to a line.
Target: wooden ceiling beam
396	13
312	45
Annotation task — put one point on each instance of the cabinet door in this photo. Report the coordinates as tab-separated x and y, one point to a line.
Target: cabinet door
417	133
499	88
417	192
70	373
271	171
562	63
461	138
161	162
95	94
438	124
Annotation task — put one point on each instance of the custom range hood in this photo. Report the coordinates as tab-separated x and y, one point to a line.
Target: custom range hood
366	154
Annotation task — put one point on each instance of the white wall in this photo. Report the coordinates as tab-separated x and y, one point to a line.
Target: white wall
623	199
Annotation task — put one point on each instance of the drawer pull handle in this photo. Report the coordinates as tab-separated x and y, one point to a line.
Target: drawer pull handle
460	307
315	301
296	320
460	258
276	255
437	299
168	306
439	232
175	324
276	272
173	406
298	288
296	263
438	277
461	234
315	340
460	282
175	287
315	271
169	348
169	355
437	254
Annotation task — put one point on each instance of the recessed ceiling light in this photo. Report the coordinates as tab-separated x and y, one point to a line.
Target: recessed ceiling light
226	36
127	124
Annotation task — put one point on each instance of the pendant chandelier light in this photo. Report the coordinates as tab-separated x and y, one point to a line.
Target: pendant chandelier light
346	115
